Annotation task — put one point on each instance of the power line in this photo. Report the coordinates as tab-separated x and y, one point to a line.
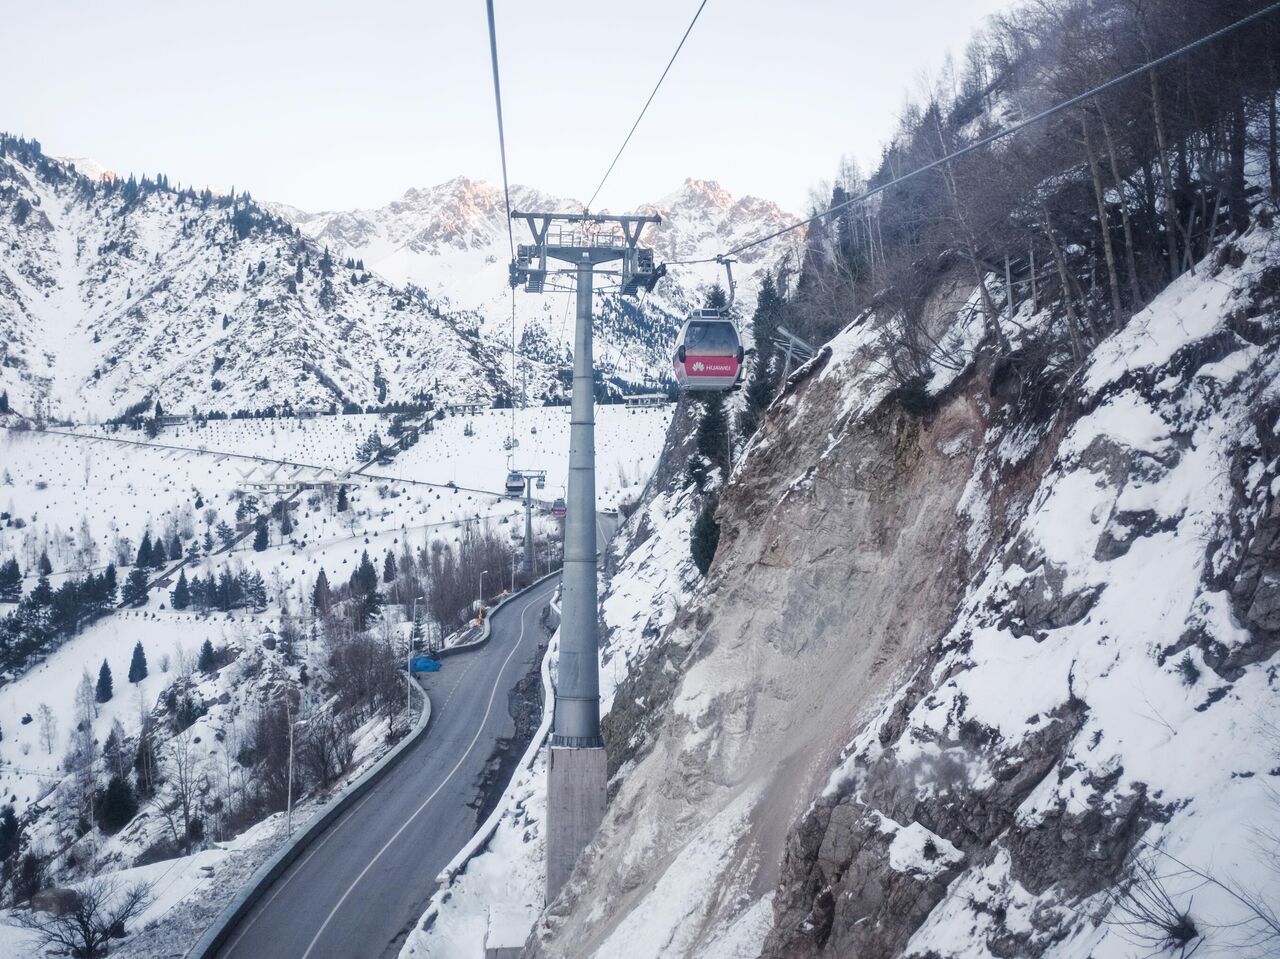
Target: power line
988	140
618	155
502	136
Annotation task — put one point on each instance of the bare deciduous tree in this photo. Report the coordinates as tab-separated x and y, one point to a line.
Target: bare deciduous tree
103	911
48	727
183	785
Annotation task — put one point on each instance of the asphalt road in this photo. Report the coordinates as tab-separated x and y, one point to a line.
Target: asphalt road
364	883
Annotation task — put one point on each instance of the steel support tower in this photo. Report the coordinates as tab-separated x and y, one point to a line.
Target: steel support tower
577	771
529	477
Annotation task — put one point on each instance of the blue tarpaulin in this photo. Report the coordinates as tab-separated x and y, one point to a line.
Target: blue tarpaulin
425	664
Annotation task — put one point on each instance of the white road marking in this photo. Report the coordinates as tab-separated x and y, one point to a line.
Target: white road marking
480	729
346	817
293	871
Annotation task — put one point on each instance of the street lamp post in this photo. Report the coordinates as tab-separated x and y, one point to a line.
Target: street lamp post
408	662
480	598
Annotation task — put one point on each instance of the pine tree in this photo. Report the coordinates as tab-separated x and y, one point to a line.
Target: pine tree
705	537
117	805
181	596
4	402
286	522
113	749
42	595
713	429
365	579
138	664
256	592
261	538
143	560
206	544
10	832
159	555
135	588
389	568
711	441
342	499
109	585
225	597
175	548
193	552
199	594
45	567
764	323
10	581
226	534
102	693
321	597
207	662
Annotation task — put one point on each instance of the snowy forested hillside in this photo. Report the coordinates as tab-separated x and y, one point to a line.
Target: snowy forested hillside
140	732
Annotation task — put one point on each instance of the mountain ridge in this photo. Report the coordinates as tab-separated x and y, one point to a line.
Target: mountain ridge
118	290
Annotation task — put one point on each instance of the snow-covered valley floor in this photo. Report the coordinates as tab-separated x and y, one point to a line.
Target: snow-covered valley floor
85	496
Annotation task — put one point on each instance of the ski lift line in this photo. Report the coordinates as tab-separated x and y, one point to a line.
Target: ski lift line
643	109
220	455
502	136
1000	135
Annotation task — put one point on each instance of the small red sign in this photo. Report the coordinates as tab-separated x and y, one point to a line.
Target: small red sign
711	365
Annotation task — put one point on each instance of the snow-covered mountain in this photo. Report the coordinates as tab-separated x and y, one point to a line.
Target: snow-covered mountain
451	240
117	291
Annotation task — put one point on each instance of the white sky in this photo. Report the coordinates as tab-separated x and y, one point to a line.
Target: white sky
330	105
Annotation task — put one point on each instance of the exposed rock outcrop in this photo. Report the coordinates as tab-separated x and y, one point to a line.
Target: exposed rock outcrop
1028	625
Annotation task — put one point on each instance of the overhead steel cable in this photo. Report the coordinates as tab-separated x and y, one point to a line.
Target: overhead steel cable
506	198
502	136
988	140
645	108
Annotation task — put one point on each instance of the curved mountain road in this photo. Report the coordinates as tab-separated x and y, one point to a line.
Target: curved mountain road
357	892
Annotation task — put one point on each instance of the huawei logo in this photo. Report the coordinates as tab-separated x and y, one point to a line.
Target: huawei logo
698	366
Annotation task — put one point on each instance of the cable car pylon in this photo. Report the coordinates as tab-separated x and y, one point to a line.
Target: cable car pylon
519	481
577	771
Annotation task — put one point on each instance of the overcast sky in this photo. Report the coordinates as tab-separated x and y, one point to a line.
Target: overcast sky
330	105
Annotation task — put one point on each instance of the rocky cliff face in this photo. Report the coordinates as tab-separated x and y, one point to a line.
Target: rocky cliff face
964	676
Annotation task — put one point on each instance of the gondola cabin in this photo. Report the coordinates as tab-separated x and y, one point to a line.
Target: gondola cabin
708	354
558	508
515	484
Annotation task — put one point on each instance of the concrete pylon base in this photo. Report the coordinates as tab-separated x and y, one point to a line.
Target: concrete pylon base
577	782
